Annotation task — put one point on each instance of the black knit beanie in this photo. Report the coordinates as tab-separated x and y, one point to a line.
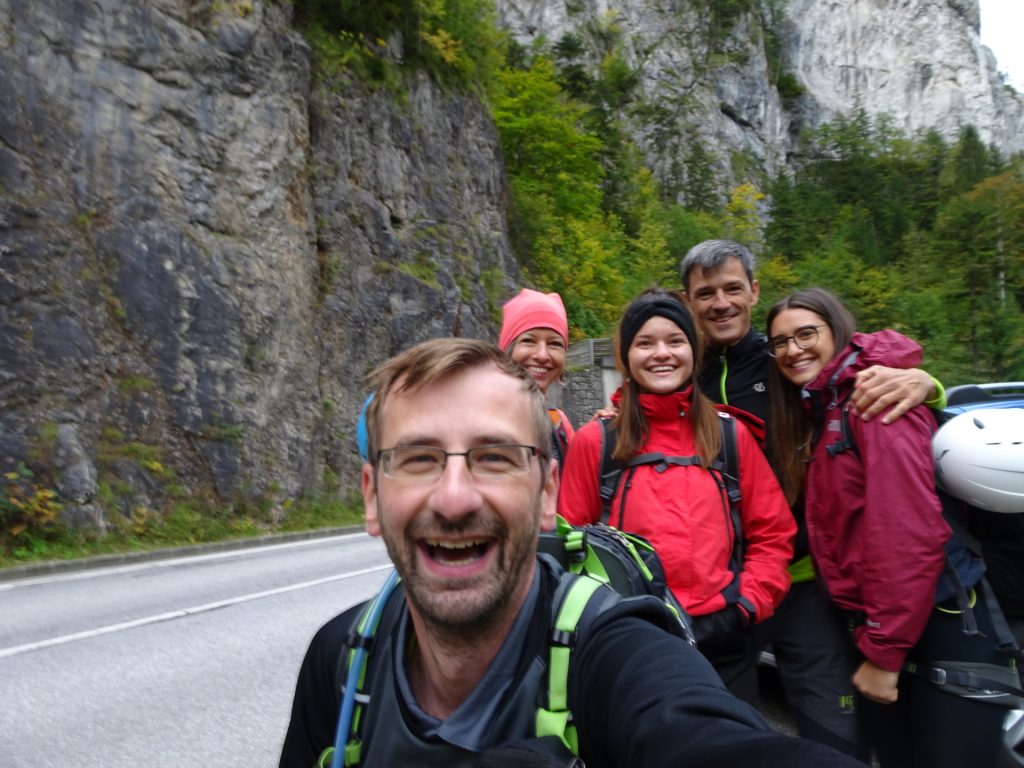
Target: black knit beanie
653	305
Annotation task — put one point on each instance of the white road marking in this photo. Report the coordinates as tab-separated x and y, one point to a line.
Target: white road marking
183	612
90	573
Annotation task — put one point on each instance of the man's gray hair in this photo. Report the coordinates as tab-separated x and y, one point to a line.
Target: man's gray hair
711	254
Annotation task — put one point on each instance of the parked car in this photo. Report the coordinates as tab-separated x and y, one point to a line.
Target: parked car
1000	528
969	397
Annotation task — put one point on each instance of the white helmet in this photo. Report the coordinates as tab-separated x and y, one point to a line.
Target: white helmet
979	457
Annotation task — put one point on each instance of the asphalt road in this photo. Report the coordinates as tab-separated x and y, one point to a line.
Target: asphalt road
183	662
189	661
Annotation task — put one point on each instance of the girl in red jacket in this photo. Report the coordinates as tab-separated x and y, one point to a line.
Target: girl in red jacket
682	509
878	538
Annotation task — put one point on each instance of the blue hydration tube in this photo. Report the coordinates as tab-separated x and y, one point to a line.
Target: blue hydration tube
362	436
348	702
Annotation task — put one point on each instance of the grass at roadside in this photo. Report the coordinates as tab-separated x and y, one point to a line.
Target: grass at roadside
185	524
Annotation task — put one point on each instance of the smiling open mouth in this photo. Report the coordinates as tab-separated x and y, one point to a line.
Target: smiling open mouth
456	552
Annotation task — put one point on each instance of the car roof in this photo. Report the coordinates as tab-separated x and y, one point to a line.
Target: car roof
969	397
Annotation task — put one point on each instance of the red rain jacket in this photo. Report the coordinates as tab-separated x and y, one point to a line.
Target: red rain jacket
685	515
874	523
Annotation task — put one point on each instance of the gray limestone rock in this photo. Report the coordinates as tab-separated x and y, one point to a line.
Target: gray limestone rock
198	274
919	61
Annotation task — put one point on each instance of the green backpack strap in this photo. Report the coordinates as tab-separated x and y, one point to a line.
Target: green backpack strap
571	599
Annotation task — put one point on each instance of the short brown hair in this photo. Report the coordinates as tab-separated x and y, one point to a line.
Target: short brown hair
711	255
431	361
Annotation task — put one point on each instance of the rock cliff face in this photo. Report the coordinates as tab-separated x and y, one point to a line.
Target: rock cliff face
202	252
202	249
919	61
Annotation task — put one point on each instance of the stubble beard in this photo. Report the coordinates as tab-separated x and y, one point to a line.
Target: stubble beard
465	608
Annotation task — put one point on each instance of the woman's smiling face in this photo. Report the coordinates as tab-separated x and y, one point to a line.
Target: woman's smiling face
541	351
801	366
660	357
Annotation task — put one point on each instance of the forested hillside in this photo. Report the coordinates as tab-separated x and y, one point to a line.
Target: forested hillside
914	232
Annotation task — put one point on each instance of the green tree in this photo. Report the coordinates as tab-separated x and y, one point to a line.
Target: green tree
700	189
968	163
979	242
569	54
742	217
559	229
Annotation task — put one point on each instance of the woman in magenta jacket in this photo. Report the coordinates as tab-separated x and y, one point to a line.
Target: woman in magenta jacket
682	510
877	534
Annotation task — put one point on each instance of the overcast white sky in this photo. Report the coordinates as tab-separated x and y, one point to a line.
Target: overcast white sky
1002	27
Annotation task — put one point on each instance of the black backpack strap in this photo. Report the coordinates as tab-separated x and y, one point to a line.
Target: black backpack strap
963	600
846	441
726	471
1006	641
559	443
992	683
661	462
610	470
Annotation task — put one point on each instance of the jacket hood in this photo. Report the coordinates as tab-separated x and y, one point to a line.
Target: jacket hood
886	347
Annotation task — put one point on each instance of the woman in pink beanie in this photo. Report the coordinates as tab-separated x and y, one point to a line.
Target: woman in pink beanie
535	333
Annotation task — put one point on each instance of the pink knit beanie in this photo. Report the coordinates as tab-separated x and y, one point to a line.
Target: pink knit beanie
532	309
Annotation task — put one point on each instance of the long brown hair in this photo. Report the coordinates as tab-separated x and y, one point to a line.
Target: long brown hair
631	422
789	439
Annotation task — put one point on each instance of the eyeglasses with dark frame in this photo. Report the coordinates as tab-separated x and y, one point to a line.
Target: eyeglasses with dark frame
484	462
804	338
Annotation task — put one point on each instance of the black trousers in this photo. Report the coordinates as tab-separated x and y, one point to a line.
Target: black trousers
736	663
816	662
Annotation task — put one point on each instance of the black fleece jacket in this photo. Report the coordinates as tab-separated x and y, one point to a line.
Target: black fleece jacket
641	697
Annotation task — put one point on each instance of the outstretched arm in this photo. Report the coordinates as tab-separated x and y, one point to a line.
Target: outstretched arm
644	698
879	387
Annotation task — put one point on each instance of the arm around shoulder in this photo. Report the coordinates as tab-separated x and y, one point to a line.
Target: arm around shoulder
880	387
